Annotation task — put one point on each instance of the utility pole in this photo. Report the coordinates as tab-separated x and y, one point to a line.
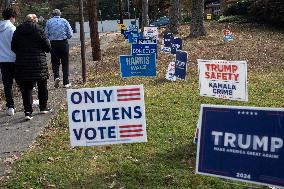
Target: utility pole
100	12
82	39
135	16
94	34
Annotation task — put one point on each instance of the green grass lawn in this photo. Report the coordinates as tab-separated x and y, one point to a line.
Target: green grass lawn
167	160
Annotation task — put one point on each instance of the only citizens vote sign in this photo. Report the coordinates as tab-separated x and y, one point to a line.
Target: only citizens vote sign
106	115
223	79
242	143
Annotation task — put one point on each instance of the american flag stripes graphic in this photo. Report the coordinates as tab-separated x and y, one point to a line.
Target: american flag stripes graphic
130	131
130	94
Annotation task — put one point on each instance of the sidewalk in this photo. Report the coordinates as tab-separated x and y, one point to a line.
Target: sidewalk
16	134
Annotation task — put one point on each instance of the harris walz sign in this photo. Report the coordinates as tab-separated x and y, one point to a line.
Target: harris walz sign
242	143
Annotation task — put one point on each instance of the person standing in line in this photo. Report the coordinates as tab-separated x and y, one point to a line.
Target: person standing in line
30	45
7	57
59	31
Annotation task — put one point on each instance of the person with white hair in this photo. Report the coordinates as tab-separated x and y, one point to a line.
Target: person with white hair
30	44
59	31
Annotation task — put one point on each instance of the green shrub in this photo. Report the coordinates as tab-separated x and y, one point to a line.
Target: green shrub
186	19
238	8
268	11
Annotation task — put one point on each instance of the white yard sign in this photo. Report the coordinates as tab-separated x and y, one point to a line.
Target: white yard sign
171	72
106	115
151	32
223	79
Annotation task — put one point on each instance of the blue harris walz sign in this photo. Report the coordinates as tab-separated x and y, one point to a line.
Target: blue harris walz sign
146	40
133	28
137	65
126	34
137	49
133	37
180	64
242	143
176	44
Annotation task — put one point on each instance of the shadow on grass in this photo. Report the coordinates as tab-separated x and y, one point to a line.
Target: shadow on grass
173	168
159	81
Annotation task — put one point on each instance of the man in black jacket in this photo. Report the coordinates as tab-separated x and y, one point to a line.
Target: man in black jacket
30	45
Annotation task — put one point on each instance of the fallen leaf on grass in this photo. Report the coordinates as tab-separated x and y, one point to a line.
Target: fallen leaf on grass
11	159
112	184
50	159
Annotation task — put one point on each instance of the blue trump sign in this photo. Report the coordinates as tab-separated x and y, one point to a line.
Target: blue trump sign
167	38
242	143
180	65
137	65
176	44
144	49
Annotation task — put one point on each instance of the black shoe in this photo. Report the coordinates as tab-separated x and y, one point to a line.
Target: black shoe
28	116
45	110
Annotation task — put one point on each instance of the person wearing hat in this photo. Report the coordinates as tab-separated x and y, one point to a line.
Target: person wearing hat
58	31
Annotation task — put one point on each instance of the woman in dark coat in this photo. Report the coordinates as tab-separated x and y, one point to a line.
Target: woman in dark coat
30	45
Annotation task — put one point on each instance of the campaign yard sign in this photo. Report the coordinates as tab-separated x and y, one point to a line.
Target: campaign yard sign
151	32
126	34
166	49
223	79
121	26
106	115
167	38
138	49
228	35
180	64
133	28
176	44
242	143
171	72
133	37
137	65
146	41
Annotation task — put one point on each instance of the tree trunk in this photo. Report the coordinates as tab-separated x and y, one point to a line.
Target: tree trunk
197	25
82	39
145	17
94	34
174	16
120	9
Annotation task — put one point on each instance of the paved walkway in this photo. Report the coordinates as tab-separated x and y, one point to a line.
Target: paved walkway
16	134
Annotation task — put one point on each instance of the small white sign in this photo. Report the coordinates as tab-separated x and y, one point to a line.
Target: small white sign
223	79
106	115
171	72
151	32
165	49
